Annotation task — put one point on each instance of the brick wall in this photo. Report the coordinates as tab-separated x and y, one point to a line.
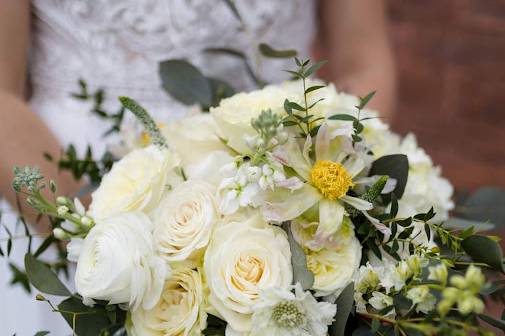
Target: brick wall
451	62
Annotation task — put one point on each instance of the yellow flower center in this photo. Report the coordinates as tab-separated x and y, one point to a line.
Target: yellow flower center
331	178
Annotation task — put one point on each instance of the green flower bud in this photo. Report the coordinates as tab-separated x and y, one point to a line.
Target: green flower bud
438	273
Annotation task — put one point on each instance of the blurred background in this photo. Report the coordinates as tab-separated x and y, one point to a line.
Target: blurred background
451	84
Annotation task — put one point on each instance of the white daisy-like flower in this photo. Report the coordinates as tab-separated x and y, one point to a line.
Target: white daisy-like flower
327	182
282	312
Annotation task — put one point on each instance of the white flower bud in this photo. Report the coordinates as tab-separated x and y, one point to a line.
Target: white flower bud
253	173
86	221
61	200
62	210
59	234
229	169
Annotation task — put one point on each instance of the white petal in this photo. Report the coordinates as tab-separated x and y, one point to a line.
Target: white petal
331	214
354	165
378	225
358	203
296	159
291	205
323	143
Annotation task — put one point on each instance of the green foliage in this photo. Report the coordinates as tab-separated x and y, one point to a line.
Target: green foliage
146	120
258	81
86	166
42	333
268	51
185	83
215	326
42	278
19	277
345	303
97	98
485	250
90	321
299	115
395	166
486	205
301	273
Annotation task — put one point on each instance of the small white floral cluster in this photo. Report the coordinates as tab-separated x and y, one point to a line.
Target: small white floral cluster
376	285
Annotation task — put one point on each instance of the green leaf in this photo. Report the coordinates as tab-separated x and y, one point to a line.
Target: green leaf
486	205
395	166
492	321
301	273
145	118
268	51
185	83
362	331
458	223
344	303
363	101
313	68
234	10
240	55
42	278
215	326
314	88
220	90
42	333
18	276
345	117
44	246
89	321
485	250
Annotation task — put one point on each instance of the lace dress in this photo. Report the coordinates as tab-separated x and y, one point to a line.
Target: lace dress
116	45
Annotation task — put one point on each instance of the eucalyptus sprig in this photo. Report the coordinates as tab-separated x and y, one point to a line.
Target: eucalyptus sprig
357	122
299	115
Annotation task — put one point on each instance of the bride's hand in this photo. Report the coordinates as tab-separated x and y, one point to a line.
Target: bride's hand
24	138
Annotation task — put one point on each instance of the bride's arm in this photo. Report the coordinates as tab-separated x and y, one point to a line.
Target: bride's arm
355	41
23	136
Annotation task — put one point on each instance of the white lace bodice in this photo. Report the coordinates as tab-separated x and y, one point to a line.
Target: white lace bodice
117	44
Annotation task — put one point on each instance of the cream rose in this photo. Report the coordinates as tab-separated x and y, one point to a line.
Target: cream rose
135	183
179	312
245	256
184	219
117	262
233	115
334	268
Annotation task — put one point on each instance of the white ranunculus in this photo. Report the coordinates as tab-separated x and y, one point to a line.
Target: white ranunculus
135	183
334	268
233	115
179	312
281	312
195	141
117	262
184	219
245	256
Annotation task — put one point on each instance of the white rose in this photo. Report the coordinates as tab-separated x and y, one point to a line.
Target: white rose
117	262
179	310
233	115
184	219
246	255
335	268
135	183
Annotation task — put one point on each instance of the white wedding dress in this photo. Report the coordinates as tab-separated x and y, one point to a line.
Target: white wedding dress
116	45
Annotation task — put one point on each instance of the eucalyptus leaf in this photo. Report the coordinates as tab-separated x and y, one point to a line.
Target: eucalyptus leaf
363	101
89	321
395	166
343	116
485	250
486	204
301	273
268	51
344	303
220	90
458	223
42	333
313	68
43	278
185	83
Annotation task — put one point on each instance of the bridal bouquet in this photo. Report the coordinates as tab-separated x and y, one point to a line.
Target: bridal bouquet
290	210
